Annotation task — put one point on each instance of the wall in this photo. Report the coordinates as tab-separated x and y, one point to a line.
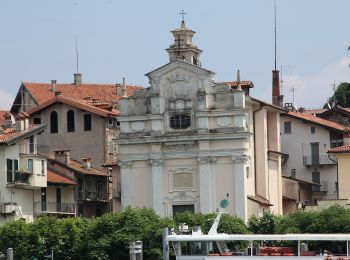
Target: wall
344	175
81	143
297	144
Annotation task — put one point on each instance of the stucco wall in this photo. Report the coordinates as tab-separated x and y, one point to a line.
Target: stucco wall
81	143
344	175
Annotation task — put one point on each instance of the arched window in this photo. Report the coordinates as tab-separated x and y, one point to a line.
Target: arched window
53	122
70	121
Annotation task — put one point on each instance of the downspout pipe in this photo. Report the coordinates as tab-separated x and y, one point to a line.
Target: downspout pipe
254	129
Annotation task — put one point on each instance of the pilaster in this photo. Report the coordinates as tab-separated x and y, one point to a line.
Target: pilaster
125	171
157	197
207	183
240	185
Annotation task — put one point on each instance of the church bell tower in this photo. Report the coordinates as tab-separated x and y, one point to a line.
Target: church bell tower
183	48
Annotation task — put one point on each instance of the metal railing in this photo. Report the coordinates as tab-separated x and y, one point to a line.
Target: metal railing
310	160
18	177
34	149
322	188
53	207
93	196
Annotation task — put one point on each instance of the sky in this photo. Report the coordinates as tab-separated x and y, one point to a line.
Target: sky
119	39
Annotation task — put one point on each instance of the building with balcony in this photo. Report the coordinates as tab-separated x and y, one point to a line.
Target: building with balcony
58	198
188	141
80	117
305	141
22	168
92	186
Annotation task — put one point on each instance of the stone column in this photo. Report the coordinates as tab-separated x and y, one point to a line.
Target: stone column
240	185
207	183
125	171
157	197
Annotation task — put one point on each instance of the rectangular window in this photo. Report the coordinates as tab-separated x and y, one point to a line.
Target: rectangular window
37	121
42	167
182	208
9	170
313	129
87	122
30	165
287	127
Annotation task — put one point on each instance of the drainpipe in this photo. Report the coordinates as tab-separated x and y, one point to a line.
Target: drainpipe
255	184
336	162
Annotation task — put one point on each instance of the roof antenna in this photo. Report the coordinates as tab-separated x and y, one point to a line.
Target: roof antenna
334	90
76	51
281	81
77	75
275	36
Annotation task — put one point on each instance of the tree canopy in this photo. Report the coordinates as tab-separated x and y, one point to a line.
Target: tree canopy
342	96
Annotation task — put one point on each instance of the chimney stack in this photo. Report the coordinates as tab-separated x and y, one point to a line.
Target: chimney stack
53	85
118	89
87	162
77	79
62	155
239	87
277	98
124	88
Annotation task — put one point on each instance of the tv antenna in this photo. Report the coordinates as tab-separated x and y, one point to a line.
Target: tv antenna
76	51
334	85
292	90
275	34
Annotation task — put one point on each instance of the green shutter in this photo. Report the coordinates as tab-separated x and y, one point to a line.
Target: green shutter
15	164
9	164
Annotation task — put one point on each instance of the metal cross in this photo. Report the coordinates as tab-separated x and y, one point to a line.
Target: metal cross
183	15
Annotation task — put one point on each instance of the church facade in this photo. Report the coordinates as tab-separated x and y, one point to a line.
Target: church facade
187	142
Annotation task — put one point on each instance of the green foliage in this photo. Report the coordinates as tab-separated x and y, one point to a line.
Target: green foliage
342	96
109	236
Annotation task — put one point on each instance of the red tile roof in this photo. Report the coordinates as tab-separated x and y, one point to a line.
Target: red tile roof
314	111
259	200
53	177
340	149
2	117
41	92
317	120
9	134
79	103
244	83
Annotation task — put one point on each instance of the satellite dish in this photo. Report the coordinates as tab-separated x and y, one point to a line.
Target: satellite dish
224	203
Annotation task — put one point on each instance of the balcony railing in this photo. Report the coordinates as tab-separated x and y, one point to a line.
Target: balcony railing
18	177
93	196
310	160
35	149
323	187
42	207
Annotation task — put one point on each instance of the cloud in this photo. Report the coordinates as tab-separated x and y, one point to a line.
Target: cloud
6	100
312	91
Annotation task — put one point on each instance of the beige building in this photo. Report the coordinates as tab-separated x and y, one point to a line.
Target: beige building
187	141
22	168
305	141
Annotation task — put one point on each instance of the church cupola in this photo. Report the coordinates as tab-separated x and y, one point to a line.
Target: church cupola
183	48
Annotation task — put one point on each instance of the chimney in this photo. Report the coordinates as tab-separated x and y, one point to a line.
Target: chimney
239	87
124	88
22	122
53	85
77	79
277	98
118	89
62	155
87	162
9	120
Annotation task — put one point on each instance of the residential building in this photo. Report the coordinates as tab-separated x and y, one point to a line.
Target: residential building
187	141
81	118
22	169
91	195
305	141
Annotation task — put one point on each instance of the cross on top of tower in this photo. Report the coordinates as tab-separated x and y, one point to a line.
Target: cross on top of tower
183	15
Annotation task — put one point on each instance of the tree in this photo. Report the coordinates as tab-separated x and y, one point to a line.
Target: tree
342	96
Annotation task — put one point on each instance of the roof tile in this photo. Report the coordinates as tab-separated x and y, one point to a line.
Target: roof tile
53	177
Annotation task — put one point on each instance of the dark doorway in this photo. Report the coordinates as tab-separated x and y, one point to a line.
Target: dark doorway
58	199
43	199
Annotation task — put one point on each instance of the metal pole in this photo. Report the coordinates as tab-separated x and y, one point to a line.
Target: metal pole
347	249
298	247
165	244
9	253
251	248
52	254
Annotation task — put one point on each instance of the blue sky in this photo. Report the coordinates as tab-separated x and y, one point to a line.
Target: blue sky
127	39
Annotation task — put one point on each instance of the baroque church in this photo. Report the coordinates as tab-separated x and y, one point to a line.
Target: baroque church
187	142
